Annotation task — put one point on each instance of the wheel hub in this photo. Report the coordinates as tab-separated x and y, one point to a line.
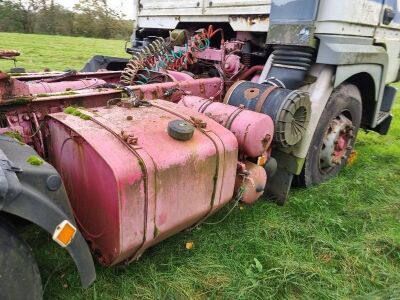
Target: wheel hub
336	143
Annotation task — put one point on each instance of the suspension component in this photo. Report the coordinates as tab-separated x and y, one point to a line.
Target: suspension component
159	55
141	59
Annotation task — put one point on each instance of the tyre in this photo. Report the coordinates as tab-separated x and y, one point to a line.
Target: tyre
19	273
334	137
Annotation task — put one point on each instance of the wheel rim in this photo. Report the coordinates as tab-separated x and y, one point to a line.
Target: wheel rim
337	142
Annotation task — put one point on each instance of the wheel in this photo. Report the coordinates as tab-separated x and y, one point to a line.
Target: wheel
19	273
334	137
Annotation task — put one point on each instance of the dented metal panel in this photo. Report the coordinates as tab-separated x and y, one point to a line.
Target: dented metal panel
130	184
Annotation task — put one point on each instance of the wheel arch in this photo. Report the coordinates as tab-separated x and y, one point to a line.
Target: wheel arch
320	91
35	193
367	78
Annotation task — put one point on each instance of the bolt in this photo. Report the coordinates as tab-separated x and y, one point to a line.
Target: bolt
129	118
14	119
25	117
132	140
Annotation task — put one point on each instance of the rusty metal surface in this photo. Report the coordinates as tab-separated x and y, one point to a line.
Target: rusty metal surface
126	193
63	86
26	103
109	76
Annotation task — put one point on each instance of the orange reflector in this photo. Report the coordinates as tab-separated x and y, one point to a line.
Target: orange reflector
64	233
352	158
262	160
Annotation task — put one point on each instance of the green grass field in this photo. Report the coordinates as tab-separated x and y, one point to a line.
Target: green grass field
340	240
56	52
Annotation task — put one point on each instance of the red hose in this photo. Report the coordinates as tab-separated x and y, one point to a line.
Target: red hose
254	69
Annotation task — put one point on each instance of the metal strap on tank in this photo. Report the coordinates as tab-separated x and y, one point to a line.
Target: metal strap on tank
204	106
232	117
145	176
264	96
218	158
231	90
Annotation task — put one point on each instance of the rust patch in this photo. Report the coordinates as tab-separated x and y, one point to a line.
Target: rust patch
251	93
202	88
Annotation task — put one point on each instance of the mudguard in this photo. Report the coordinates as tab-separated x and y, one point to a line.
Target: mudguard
32	189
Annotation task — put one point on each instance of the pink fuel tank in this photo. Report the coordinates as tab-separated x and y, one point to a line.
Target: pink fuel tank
254	131
130	183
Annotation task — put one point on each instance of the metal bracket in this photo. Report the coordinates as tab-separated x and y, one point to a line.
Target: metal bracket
278	186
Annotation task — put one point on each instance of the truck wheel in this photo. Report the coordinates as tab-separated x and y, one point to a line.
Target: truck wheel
334	137
19	273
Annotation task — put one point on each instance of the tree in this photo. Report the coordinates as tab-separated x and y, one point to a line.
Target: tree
97	18
92	18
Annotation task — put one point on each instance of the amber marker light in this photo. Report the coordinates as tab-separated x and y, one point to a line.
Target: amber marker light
64	233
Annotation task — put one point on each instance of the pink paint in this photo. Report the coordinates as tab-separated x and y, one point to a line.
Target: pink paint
177	76
173	91
254	131
232	63
255	78
208	54
42	87
128	195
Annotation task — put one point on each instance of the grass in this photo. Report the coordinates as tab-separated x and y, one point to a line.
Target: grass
56	52
339	240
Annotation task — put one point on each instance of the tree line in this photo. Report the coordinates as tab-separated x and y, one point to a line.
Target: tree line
90	18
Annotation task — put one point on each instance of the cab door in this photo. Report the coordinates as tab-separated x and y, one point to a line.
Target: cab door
388	34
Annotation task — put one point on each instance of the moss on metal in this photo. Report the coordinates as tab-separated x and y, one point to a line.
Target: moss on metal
15	135
75	112
66	93
35	160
